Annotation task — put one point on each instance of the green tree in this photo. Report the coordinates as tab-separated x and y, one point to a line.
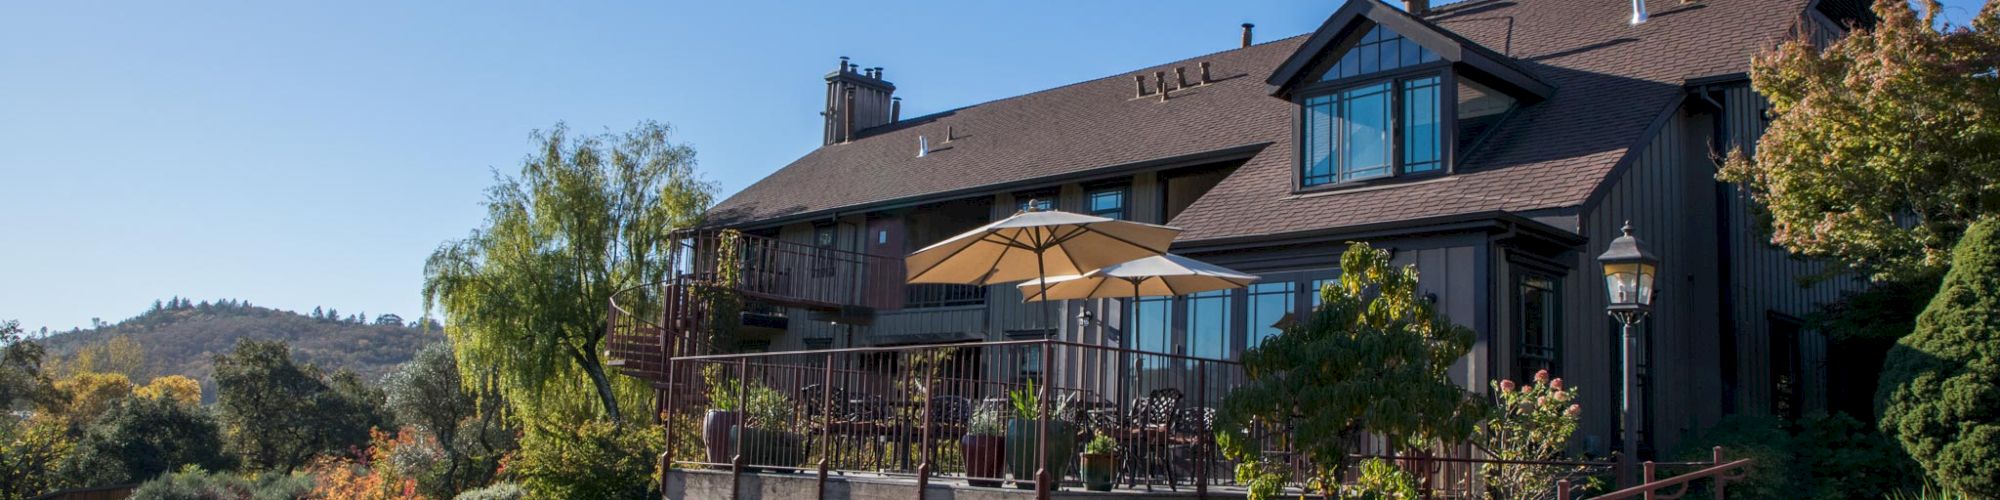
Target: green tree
527	294
140	438
1372	358
22	380
1885	145
428	393
280	413
1940	391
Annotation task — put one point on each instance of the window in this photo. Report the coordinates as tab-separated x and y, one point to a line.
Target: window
1042	201
824	239
1151	327
1270	303
1479	109
1208	325
1381	127
1106	202
1537	325
1379	50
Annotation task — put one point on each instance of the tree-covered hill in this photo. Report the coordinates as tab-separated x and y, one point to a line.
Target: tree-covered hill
182	337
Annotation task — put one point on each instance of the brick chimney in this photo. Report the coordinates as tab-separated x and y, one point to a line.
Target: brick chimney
856	98
1417	7
1246	33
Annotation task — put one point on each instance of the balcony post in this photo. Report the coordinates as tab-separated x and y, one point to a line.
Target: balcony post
1716	455
826	425
924	469
1648	479
667	415
742	421
1042	480
1201	441
1562	490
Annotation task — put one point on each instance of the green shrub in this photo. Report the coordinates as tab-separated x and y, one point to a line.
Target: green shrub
1940	390
1760	438
140	438
1840	457
197	484
497	491
591	460
1819	456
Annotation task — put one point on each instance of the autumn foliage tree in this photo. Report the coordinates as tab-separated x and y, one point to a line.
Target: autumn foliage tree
1885	145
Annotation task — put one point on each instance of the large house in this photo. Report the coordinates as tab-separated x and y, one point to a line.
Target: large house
1497	145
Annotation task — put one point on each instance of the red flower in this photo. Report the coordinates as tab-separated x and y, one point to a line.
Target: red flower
1506	386
1557	384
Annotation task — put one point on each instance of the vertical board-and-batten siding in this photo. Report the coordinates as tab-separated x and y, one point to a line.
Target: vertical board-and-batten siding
1662	194
1765	279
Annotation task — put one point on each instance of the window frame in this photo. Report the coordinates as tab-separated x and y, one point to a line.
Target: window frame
1517	330
1052	197
1124	200
1447	111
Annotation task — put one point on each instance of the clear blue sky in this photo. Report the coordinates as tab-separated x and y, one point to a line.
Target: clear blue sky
297	154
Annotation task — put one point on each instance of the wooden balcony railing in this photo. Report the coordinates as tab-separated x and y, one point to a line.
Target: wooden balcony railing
792	274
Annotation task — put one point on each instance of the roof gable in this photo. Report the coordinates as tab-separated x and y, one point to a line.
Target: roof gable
1358	16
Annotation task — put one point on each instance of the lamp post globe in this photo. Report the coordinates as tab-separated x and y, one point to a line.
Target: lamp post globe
1630	272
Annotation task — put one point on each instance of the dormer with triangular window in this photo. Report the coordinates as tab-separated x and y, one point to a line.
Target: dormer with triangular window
1385	96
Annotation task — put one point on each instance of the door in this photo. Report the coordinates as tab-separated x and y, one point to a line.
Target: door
885	238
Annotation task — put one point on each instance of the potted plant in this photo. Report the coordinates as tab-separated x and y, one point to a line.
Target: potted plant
753	413
766	433
1099	463
985	444
725	413
1021	436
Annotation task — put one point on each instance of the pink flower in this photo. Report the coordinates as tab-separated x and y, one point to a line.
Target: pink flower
1506	386
1557	384
1573	410
1541	376
1560	395
1541	401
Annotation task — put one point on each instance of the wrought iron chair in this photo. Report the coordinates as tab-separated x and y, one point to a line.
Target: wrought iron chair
1145	437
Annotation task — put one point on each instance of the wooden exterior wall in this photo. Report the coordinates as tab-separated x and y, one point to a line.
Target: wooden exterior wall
1765	280
1722	286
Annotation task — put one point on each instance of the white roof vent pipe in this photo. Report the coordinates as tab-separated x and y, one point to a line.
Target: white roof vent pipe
1638	12
923	146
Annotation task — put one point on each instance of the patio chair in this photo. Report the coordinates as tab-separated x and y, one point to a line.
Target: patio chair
1188	439
1146	432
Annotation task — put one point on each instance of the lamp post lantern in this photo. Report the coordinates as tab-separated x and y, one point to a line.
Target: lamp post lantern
1629	274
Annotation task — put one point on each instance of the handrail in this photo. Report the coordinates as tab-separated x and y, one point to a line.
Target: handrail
1649	487
997	343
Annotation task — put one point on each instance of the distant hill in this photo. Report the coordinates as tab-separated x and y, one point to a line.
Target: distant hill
182	337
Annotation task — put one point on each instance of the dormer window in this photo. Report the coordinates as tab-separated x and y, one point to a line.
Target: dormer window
1384	96
1374	113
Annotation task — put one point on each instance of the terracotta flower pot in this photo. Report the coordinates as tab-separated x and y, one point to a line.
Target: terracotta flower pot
985	457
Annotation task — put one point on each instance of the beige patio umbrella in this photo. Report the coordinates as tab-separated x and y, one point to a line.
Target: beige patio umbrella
1034	245
1162	275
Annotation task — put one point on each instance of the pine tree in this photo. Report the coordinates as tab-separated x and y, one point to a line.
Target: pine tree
1940	390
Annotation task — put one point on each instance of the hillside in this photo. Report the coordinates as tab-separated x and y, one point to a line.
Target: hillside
182	337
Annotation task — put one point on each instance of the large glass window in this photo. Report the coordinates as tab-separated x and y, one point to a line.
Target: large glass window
1479	109
1107	202
1538	326
1208	325
1378	127
1269	303
1152	325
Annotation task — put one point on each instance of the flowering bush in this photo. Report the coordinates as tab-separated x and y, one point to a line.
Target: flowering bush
1531	422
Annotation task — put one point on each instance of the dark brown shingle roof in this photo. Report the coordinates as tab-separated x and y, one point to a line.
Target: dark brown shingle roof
1612	82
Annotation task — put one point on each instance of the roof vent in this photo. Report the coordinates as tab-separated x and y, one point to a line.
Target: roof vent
923	146
1246	33
1638	12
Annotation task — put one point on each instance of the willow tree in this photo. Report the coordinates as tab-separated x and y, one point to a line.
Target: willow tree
1373	357
1885	145
526	294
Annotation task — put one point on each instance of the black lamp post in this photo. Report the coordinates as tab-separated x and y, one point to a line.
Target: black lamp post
1629	272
